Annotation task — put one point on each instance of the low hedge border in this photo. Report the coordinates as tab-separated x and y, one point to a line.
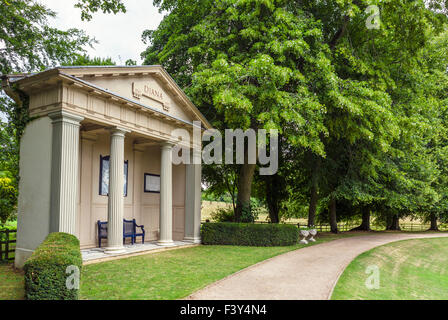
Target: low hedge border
249	234
45	270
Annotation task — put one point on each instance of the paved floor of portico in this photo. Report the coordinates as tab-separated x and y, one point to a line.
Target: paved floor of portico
94	255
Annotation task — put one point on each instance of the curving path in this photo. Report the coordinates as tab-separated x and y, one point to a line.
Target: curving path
306	274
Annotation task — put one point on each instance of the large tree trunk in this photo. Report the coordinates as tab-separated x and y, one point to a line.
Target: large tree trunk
365	225
313	195
272	199
433	218
244	189
313	206
394	223
333	220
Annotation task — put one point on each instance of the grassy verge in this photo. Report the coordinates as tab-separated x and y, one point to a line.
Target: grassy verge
11	283
409	269
174	274
165	275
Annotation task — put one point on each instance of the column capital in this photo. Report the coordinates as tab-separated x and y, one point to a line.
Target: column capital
167	145
65	116
117	131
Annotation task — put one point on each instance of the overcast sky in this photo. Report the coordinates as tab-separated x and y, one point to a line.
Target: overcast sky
119	35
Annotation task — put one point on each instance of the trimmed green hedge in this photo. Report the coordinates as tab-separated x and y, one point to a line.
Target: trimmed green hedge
249	234
45	270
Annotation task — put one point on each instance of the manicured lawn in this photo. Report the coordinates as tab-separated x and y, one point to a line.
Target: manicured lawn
11	283
166	275
409	269
173	274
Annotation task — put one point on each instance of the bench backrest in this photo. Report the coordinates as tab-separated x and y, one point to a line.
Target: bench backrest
128	227
102	229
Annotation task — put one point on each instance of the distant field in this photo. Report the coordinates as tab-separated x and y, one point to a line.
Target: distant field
208	207
407	224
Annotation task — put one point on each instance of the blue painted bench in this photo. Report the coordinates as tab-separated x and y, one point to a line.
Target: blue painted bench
129	231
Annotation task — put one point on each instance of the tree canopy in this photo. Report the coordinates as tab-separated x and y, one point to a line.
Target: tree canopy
359	108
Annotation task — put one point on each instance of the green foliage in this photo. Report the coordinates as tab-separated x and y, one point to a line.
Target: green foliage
85	60
225	214
45	270
88	7
250	211
12	236
131	62
249	234
8	199
29	43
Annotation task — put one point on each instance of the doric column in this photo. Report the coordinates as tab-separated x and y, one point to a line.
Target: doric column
64	172
166	196
88	141
116	189
193	198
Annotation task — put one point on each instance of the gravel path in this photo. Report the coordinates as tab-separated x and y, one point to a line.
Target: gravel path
306	274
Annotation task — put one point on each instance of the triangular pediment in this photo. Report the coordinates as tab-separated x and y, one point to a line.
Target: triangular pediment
147	85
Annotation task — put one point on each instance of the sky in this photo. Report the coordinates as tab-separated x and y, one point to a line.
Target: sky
119	35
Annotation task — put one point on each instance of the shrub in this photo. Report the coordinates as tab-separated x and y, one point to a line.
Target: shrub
46	270
8	199
249	234
12	236
225	214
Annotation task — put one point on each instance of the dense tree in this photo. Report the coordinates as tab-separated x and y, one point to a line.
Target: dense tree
85	60
88	7
290	64
246	56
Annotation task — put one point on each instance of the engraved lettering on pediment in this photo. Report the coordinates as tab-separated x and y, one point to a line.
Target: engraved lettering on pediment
145	90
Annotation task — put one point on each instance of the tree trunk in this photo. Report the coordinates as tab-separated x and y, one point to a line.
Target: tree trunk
313	206
365	225
433	218
246	176
333	220
394	223
313	195
272	199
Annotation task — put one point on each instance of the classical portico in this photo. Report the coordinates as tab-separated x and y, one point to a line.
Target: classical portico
100	147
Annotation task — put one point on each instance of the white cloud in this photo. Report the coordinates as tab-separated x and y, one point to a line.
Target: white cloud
119	35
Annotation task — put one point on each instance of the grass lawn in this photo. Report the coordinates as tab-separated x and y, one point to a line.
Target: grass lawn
174	274
11	283
409	269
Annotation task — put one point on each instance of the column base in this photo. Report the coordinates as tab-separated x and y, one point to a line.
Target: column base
21	255
114	250
165	243
192	240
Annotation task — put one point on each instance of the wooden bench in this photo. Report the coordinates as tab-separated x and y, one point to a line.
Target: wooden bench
129	231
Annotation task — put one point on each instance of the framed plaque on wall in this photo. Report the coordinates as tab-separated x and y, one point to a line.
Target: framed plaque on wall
152	183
